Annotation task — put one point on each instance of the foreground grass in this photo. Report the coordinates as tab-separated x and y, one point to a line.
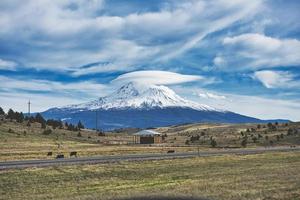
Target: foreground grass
263	176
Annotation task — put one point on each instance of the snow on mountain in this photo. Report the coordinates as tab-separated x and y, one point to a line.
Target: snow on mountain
139	96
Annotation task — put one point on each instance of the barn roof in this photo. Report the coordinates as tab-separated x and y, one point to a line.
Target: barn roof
147	132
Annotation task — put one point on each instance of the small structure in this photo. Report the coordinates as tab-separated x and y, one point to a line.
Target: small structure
147	137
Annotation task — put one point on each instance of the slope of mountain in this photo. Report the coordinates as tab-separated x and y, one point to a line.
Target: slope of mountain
135	105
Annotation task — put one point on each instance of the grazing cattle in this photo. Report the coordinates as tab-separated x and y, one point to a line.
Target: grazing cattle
171	151
59	156
73	153
49	153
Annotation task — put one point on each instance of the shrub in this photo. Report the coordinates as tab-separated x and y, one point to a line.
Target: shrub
277	137
290	131
258	126
267	137
10	130
79	134
213	143
43	125
47	132
244	142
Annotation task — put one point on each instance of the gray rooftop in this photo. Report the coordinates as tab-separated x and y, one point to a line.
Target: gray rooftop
147	132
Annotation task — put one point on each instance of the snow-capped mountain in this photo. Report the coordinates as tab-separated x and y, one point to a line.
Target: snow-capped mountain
139	96
137	105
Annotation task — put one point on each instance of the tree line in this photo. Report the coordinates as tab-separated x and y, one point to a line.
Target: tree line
38	118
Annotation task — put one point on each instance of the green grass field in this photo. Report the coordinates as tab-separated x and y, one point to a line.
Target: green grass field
262	176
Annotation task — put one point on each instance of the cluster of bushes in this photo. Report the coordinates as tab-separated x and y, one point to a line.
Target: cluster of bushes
292	131
72	127
195	138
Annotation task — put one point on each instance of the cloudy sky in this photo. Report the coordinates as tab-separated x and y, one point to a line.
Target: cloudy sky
239	55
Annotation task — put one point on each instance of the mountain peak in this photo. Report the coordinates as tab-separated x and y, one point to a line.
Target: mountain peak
128	90
140	96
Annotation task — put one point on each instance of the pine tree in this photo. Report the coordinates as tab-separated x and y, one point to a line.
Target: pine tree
43	125
19	117
80	125
39	118
2	111
10	114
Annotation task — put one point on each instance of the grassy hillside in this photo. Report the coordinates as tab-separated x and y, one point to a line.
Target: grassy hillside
232	135
263	176
18	141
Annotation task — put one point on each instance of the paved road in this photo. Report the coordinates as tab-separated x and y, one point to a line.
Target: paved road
135	157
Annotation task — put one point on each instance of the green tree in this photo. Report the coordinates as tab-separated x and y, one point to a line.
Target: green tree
43	125
39	118
10	114
2	111
19	117
80	125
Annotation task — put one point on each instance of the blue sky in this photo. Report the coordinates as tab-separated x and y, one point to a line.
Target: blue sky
244	54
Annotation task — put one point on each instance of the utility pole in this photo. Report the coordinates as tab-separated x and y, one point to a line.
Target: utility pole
29	108
96	121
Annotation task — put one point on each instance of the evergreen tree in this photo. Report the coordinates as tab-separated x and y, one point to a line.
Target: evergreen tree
80	125
10	114
19	117
2	111
43	125
39	118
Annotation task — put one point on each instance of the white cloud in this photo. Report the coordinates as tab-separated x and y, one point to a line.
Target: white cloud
7	65
209	95
254	106
65	34
85	88
156	78
258	51
276	79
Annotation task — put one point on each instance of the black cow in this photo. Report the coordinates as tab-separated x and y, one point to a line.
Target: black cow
59	156
73	153
171	151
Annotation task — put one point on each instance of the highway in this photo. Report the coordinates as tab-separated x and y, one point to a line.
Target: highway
136	157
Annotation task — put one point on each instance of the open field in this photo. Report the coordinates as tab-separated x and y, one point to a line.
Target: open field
34	145
23	143
261	176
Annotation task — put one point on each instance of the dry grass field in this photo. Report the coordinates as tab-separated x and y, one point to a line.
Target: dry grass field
19	142
33	144
251	177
